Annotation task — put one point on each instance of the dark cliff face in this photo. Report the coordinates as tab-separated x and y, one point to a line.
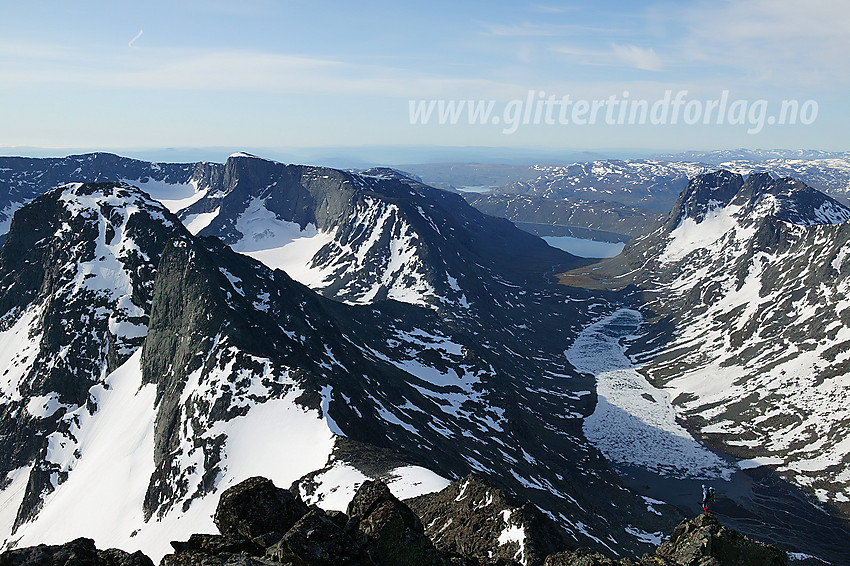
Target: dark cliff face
759	195
703	194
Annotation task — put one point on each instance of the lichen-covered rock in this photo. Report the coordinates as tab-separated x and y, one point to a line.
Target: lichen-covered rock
705	542
78	552
699	542
216	550
116	557
389	532
316	540
256	507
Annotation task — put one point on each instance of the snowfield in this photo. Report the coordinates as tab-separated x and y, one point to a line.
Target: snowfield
103	495
635	423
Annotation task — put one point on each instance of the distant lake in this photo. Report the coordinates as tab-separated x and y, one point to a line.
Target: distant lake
585	248
476	188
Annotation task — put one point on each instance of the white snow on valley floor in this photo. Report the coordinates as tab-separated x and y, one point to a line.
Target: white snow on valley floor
757	462
634	423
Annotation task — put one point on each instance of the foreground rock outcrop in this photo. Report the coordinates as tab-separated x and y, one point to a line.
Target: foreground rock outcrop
471	523
264	524
79	552
474	518
698	542
705	542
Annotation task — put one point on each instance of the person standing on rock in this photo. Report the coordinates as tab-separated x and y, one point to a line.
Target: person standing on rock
706	497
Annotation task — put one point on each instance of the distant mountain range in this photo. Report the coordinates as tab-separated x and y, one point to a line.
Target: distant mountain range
627	197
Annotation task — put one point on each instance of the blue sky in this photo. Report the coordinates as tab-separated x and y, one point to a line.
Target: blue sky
293	74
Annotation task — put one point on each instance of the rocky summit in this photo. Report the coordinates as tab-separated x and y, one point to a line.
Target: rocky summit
262	524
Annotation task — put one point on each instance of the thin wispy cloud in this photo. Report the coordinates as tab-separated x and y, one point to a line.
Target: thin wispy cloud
550	9
645	59
523	30
776	41
174	69
637	57
544	30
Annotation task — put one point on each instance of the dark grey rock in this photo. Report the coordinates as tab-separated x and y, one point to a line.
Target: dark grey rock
78	552
316	540
585	557
217	544
705	542
468	517
256	507
387	529
225	559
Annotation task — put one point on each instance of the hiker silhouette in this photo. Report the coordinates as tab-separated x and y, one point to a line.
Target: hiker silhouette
707	496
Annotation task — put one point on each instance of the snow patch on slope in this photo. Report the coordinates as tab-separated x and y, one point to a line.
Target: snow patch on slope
691	235
196	222
19	347
378	254
109	461
513	534
11	497
7	214
103	495
280	244
334	488
173	196
406	482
